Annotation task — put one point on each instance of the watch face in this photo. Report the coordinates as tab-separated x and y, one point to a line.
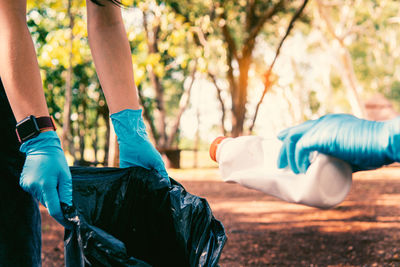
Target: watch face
27	128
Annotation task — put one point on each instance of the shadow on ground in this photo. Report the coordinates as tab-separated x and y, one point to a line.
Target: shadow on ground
363	230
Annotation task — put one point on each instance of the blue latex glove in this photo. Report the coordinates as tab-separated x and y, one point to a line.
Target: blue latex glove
135	148
363	144
46	174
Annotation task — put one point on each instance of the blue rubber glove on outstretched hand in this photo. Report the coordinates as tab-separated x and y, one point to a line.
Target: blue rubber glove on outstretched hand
134	144
363	144
46	174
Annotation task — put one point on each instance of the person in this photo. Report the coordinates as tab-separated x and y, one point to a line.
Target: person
36	170
364	144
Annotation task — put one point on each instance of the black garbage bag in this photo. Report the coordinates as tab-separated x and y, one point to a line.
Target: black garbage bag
133	217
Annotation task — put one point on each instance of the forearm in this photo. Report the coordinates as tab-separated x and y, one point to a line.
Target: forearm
362	143
19	68
112	56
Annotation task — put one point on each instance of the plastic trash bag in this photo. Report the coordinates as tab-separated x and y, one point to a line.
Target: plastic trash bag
133	217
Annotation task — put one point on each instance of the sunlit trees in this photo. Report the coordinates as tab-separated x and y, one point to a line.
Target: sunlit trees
364	37
165	63
178	42
72	91
238	24
165	68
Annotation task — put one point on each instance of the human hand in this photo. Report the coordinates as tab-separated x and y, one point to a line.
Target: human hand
363	144
134	144
46	174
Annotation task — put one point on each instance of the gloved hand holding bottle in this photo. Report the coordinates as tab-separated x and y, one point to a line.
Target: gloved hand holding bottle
134	144
46	174
363	144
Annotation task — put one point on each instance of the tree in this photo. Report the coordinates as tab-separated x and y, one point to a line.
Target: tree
348	75
238	24
71	87
165	67
363	36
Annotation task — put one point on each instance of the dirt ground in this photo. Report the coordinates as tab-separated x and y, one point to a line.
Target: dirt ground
362	231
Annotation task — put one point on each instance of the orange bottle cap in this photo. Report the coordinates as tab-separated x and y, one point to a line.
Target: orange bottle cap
214	147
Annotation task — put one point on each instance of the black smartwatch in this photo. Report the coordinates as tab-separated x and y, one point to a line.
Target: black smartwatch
31	127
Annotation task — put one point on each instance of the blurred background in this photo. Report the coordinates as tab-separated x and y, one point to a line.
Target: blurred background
207	68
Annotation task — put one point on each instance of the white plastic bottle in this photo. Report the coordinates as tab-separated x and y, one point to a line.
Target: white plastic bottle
252	162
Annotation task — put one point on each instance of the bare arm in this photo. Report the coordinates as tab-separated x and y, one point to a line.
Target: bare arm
45	174
19	68
112	55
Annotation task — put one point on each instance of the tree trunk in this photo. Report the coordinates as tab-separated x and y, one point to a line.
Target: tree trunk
347	72
71	144
160	113
95	137
221	102
65	138
183	104
349	78
149	122
240	97
268	81
82	123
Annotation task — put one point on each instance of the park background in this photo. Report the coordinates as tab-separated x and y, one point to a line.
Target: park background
247	67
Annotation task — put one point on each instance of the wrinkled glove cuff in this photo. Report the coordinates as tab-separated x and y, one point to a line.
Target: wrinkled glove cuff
43	140
126	121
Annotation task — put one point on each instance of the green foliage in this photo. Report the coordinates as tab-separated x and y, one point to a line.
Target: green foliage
374	47
171	60
373	41
49	24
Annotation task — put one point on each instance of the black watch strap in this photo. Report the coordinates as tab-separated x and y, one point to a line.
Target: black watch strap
46	123
31	127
